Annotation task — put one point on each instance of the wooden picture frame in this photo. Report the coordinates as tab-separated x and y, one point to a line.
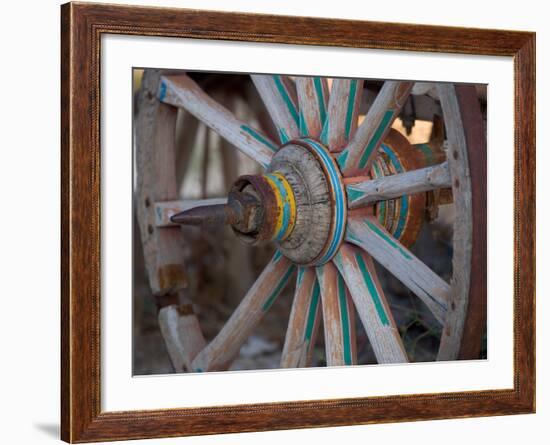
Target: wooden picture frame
82	26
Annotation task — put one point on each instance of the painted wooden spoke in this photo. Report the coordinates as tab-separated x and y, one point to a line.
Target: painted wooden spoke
312	99
338	317
280	98
394	186
181	91
343	109
368	234
164	210
303	325
359	153
221	351
360	276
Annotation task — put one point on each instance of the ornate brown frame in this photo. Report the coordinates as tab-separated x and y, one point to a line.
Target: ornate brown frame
81	28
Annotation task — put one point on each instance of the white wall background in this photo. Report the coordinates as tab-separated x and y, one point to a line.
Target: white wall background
29	223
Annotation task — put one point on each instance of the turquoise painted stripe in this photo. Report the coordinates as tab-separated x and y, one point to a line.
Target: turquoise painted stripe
404	208
386	238
286	206
377	171
277	256
404	200
427	152
286	98
344	318
353	194
373	291
268	303
375	138
312	313
351	103
259	137
283	136
324	132
303	125
162	91
300	277
382	215
339	200
342	158
317	82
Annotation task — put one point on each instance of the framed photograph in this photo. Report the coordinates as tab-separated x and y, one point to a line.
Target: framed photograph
274	222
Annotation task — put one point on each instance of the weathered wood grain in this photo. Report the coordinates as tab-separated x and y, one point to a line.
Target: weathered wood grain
313	203
281	100
221	351
164	210
358	154
338	317
343	111
182	335
394	186
181	91
368	234
304	321
312	101
362	282
457	155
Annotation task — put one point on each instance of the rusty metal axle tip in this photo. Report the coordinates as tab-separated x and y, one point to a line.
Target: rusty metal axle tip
242	211
218	214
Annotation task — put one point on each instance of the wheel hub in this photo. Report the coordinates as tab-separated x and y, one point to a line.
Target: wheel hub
303	203
403	217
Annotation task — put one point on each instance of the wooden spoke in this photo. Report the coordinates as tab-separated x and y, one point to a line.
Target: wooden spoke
181	91
312	98
358	154
164	210
343	110
182	334
360	276
280	98
338	317
303	325
394	186
220	352
368	234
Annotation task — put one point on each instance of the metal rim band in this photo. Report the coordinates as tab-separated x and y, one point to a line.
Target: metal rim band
339	198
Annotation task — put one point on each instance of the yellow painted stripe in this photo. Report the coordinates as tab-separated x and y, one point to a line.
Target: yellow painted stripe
289	198
284	221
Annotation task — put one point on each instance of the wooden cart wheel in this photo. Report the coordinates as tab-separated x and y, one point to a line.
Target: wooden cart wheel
335	197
